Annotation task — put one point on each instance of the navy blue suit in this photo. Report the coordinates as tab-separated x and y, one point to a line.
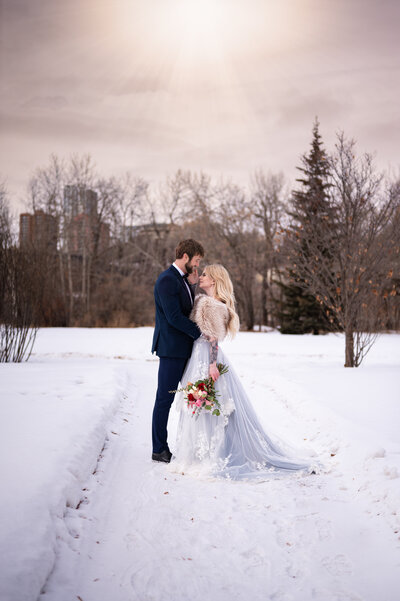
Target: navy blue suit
172	341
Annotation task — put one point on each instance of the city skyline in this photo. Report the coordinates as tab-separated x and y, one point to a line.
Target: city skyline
221	86
79	229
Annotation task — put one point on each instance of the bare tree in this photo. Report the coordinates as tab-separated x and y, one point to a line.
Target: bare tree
268	194
18	293
66	190
45	192
346	262
236	244
390	297
175	197
131	208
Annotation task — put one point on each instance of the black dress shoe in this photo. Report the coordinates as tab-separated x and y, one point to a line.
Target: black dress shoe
164	456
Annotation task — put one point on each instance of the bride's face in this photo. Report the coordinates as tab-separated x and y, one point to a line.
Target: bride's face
206	282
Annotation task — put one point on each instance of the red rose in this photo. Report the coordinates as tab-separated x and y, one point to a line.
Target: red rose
191	397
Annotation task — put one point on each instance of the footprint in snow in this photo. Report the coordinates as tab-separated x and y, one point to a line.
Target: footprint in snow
281	596
391	472
324	529
335	596
337	565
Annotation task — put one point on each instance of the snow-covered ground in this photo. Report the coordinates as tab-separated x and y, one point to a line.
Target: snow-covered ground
85	514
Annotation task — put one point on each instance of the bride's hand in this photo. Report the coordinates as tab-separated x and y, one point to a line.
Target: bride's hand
193	277
214	373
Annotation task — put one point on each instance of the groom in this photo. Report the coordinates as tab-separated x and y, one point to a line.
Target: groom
173	335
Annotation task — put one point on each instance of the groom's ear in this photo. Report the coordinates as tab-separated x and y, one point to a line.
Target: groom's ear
186	257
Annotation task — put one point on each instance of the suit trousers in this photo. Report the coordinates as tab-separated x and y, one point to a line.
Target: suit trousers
170	372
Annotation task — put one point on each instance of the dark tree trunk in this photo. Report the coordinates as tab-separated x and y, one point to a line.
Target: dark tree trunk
250	316
349	347
264	299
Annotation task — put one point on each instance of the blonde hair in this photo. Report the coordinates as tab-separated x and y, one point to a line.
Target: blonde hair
223	292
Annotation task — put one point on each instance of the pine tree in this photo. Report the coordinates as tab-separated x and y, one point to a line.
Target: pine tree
299	312
310	210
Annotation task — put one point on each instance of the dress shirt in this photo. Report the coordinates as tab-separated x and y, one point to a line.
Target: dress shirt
185	280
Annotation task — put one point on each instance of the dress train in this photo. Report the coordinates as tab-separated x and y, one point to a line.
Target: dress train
233	445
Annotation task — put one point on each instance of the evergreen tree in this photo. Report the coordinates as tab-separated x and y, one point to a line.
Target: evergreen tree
299	312
311	211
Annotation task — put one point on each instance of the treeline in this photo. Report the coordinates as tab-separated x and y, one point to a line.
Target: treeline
324	256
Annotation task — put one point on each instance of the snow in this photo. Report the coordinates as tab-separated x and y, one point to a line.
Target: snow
86	514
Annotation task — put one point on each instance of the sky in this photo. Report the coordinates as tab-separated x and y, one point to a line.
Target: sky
223	86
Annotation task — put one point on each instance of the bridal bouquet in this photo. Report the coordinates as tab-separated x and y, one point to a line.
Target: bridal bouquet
202	394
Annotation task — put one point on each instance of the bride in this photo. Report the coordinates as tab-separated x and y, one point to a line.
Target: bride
232	445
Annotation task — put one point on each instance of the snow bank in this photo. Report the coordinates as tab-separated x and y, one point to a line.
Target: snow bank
53	423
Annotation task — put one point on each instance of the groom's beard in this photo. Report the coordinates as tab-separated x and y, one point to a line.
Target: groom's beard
189	267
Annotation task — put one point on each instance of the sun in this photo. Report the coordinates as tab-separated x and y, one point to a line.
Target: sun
201	30
200	27
200	19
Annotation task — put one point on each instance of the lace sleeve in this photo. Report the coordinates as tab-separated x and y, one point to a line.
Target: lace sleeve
213	350
213	346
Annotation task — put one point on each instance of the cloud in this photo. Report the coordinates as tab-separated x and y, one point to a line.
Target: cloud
45	102
139	84
89	129
300	106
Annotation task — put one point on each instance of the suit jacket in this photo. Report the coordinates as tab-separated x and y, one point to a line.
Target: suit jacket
174	332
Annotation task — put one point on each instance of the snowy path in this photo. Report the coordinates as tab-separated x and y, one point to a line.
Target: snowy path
143	533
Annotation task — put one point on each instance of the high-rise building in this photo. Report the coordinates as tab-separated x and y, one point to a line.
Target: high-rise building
84	234
79	200
25	228
84	230
39	229
90	203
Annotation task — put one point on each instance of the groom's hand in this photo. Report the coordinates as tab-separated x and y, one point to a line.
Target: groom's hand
193	278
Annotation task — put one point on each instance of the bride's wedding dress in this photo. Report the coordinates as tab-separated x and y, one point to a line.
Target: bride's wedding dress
233	445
